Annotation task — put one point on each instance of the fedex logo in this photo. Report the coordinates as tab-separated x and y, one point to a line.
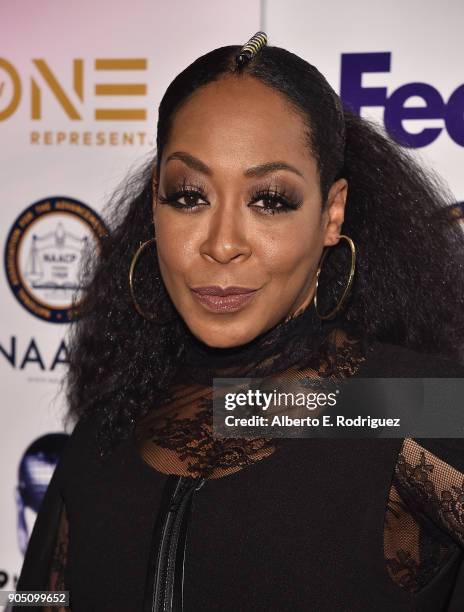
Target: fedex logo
355	97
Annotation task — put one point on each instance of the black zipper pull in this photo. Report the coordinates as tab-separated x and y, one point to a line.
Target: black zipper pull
202	482
181	489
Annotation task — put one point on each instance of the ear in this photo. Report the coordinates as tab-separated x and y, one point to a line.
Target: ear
335	211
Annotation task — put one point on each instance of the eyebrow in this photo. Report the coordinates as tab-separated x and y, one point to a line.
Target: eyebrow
253	172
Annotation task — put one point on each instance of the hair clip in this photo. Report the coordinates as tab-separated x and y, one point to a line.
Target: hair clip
252	47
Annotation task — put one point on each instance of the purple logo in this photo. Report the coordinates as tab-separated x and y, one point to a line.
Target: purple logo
355	96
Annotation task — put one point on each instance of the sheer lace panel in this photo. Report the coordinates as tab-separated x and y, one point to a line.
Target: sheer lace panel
58	563
424	522
177	438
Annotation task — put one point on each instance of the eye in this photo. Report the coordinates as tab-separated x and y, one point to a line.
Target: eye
273	205
186	198
190	199
274	201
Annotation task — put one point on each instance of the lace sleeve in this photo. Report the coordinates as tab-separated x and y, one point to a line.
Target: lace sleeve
424	524
58	562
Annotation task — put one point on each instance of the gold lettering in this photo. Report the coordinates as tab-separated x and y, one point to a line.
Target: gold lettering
13	105
121	64
56	89
122	89
84	214
78	78
35	100
25	219
89	138
11	256
45	207
120	114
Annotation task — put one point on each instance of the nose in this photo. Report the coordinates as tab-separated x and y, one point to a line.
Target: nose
226	238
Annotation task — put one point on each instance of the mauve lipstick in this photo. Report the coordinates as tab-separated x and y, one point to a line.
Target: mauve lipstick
227	299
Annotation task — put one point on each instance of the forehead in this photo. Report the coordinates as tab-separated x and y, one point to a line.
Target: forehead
240	120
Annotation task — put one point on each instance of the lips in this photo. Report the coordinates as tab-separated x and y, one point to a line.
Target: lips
217	290
227	299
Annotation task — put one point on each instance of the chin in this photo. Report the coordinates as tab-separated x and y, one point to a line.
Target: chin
225	336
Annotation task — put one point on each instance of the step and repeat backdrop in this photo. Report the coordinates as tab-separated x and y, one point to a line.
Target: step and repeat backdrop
80	85
79	90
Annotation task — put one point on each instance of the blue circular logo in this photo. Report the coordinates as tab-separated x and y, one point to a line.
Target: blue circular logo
43	252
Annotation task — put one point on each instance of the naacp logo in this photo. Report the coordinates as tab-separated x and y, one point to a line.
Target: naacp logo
43	252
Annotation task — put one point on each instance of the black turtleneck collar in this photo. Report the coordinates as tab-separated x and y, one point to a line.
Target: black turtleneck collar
288	342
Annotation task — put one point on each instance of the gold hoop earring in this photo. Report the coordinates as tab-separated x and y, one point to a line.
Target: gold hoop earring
135	258
338	307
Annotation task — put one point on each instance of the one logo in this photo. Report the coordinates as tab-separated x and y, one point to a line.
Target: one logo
415	101
43	253
71	99
86	96
34	474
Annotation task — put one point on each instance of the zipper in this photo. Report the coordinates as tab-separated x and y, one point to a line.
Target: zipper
169	569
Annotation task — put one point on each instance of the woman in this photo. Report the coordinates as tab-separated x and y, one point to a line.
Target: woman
273	234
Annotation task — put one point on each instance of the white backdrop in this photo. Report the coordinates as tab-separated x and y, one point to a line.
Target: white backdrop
79	89
421	43
70	152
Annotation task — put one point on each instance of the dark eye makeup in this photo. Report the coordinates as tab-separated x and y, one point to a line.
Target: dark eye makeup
194	195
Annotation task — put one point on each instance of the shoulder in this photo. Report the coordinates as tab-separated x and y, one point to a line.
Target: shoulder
384	359
81	443
388	360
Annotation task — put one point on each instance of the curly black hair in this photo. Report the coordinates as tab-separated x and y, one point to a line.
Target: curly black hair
409	283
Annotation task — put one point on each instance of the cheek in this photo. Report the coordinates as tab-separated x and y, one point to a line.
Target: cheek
175	246
293	252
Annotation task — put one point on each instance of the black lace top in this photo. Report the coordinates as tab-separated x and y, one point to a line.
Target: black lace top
281	524
177	437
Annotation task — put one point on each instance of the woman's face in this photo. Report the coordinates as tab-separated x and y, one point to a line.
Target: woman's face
239	204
